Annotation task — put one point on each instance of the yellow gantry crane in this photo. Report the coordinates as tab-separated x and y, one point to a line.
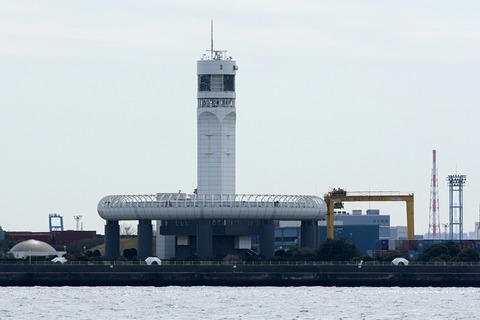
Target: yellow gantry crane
336	197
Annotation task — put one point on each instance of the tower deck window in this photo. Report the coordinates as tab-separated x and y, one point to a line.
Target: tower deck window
229	82
216	82
204	82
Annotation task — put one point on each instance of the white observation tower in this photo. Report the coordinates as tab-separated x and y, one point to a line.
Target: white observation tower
214	220
216	117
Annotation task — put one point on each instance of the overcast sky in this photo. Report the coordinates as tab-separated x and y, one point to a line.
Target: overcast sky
99	98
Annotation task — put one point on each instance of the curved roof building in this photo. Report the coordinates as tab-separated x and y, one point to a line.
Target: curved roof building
180	206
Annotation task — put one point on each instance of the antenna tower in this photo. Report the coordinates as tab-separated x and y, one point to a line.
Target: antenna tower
434	216
455	185
77	220
211	38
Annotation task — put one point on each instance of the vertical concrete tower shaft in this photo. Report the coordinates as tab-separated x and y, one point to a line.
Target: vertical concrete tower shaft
216	117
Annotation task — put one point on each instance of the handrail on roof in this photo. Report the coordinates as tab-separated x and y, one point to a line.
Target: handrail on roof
289	201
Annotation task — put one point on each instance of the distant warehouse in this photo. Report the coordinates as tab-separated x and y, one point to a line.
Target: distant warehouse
52	238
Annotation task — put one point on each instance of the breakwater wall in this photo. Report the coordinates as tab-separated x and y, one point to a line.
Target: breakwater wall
238	275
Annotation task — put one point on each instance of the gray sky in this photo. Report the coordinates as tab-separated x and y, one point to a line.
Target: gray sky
99	98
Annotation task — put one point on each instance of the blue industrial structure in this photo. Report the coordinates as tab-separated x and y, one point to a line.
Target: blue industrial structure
364	236
55	222
362	229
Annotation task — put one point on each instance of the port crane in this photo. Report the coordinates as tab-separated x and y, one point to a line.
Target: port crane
337	196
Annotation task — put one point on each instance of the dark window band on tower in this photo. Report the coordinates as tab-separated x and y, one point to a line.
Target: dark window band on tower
207	82
204	82
228	82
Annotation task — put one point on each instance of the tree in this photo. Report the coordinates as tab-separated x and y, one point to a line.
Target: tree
467	255
130	254
127	230
305	254
281	253
337	250
440	252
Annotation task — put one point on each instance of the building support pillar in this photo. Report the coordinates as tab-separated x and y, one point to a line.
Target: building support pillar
144	239
267	239
308	234
164	245
112	240
204	239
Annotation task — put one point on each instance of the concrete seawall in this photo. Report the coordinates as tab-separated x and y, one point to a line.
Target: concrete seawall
238	275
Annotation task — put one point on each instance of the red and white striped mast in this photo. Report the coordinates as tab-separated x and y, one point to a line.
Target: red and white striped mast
434	218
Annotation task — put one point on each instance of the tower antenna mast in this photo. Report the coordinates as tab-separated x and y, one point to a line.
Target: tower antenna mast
77	219
211	38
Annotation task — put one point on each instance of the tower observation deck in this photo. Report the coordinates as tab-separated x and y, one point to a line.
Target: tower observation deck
214	209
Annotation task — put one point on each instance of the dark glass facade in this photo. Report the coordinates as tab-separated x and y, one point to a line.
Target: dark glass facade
227	82
204	82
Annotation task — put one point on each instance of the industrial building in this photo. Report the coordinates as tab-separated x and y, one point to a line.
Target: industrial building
372	217
364	236
362	229
53	238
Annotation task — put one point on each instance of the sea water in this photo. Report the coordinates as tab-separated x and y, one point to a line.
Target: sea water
238	303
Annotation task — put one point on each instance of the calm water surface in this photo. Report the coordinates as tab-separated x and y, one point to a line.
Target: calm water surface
238	303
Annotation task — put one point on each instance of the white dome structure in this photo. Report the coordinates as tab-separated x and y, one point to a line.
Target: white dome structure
34	248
